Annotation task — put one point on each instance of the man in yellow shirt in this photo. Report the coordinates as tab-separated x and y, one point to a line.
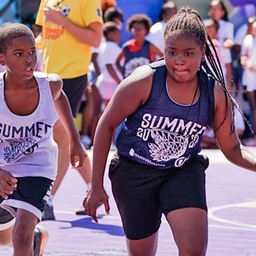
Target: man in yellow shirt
70	29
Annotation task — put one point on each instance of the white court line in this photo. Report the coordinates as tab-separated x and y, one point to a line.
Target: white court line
212	216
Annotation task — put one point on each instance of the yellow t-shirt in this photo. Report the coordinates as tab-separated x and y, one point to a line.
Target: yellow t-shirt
62	53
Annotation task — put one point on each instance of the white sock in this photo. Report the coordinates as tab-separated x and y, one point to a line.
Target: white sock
88	186
50	200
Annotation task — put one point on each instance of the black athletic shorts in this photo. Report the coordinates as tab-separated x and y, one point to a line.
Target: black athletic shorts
74	88
31	194
6	218
143	193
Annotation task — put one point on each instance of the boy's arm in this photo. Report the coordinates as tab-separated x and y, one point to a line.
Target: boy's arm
62	106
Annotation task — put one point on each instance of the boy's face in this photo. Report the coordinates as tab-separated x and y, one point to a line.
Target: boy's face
20	57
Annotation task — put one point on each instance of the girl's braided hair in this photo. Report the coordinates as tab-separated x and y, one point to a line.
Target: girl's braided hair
188	21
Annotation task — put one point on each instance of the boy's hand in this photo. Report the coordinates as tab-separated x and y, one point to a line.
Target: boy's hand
7	183
77	154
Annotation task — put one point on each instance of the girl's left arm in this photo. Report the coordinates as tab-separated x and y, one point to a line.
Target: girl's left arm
226	136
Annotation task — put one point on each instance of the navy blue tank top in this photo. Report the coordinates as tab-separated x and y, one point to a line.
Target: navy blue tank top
163	133
135	59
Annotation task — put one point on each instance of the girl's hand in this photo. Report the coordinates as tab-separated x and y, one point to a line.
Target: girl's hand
93	199
7	183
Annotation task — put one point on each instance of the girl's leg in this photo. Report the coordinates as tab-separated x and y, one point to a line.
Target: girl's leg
23	233
190	230
146	246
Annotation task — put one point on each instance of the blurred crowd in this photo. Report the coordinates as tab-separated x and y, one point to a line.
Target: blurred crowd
117	57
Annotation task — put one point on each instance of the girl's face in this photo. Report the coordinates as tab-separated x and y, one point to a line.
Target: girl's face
20	57
138	31
183	56
216	11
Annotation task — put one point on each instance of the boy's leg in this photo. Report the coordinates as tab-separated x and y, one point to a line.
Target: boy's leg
6	226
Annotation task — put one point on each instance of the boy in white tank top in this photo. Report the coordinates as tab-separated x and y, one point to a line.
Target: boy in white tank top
31	103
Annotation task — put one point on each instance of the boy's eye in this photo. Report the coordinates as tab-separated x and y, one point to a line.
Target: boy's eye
18	54
33	52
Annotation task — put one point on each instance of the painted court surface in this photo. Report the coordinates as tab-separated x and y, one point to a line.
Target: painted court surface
232	217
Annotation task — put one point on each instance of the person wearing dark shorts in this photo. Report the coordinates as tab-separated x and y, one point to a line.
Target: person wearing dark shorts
74	89
160	192
32	103
159	114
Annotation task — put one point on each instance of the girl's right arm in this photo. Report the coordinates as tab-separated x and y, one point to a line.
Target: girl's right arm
129	95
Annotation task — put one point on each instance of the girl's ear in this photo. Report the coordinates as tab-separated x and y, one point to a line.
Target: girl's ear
2	62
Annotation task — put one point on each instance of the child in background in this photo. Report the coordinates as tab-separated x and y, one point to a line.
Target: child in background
137	51
31	103
157	30
223	53
113	14
109	77
208	140
248	62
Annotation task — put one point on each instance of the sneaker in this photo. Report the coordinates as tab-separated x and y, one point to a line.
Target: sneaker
48	213
81	210
41	236
86	141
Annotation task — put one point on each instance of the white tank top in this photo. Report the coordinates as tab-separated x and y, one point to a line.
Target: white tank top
27	147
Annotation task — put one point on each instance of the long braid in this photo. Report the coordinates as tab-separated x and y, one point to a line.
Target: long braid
188	21
219	77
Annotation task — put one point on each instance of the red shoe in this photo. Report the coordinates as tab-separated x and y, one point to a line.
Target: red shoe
41	236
